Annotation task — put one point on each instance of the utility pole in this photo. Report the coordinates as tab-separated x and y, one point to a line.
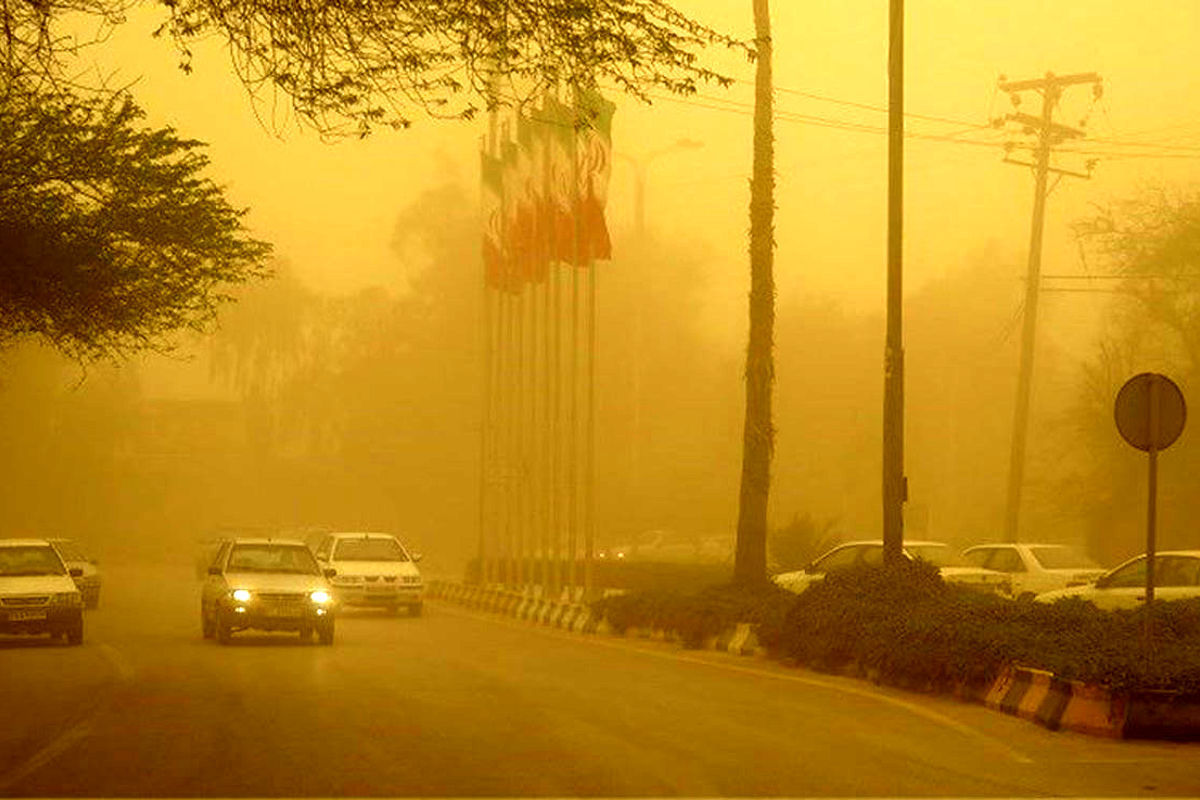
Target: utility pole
894	483
1048	133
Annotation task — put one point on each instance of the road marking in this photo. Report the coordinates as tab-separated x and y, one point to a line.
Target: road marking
119	662
912	708
72	735
64	742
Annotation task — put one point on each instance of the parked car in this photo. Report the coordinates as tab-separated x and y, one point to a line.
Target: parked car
266	584
1035	568
1176	577
952	567
88	581
37	591
673	547
374	570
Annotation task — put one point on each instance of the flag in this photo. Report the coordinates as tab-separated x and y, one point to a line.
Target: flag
593	158
558	121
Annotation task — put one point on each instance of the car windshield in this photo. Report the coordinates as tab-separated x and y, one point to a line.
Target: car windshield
939	555
30	560
272	558
1062	558
373	549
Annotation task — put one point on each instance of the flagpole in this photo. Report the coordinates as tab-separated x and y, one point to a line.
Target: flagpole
589	507
485	408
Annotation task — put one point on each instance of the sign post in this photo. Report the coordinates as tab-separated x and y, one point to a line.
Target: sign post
1150	413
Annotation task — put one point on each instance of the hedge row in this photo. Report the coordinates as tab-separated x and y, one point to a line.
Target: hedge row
904	625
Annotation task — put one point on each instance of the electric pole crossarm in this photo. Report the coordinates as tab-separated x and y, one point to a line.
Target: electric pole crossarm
1053	127
1073	174
1050	80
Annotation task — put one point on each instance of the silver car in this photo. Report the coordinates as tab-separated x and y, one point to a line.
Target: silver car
88	581
1176	577
949	563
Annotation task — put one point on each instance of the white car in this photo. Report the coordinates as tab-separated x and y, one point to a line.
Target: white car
268	585
373	570
952	567
1176	577
1035	568
37	591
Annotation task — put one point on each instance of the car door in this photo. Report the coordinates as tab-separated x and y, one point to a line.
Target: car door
1124	587
1175	577
214	585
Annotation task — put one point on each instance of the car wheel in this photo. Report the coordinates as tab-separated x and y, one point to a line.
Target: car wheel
93	601
74	634
306	634
415	610
207	628
325	633
224	629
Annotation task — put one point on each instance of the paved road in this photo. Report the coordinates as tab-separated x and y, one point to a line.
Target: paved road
462	704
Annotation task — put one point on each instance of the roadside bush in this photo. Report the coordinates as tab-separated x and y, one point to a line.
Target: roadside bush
692	618
905	626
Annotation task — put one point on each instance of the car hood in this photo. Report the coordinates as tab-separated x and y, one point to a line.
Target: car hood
375	568
1059	594
35	584
1078	575
971	575
275	582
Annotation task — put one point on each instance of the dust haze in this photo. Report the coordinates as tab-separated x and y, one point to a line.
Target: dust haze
347	391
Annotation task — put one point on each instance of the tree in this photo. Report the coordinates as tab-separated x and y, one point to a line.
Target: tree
759	432
109	237
1151	243
347	67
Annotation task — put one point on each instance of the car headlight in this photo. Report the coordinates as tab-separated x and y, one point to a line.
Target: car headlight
67	599
320	596
241	595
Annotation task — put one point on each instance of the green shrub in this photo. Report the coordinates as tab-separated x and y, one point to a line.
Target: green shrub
905	626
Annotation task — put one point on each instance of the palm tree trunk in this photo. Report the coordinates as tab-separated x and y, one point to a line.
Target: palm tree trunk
758	437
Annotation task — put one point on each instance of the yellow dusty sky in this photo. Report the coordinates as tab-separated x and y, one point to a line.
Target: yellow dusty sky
330	209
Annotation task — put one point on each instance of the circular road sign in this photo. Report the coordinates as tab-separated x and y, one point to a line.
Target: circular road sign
1136	417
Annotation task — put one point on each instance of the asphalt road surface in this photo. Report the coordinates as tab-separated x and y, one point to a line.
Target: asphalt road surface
459	703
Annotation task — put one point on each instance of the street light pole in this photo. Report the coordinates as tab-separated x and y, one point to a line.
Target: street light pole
640	166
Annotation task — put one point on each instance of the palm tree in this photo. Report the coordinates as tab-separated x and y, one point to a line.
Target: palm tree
758	437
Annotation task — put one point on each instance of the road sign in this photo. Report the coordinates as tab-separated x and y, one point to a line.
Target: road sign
1150	411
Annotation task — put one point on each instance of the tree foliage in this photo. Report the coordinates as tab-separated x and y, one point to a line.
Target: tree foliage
347	66
110	238
1150	245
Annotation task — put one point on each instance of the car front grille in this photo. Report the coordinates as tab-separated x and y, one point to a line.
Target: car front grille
283	600
32	600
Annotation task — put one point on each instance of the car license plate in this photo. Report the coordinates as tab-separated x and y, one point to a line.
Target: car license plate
27	613
283	611
379	589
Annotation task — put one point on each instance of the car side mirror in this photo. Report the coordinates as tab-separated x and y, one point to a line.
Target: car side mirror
329	572
214	570
809	569
75	572
416	556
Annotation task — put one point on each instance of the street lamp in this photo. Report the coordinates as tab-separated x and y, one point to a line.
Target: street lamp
640	165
